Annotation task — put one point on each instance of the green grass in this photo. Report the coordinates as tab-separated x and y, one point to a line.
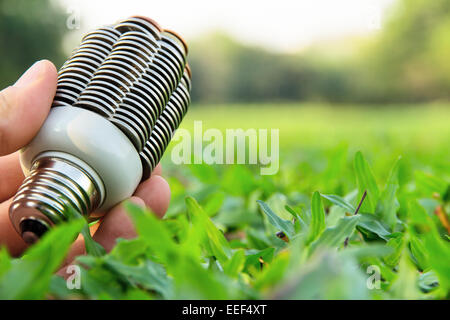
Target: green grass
231	233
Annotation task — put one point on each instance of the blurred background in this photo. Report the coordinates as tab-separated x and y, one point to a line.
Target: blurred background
348	51
333	76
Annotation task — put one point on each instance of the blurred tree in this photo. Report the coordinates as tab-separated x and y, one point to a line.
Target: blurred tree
29	30
408	61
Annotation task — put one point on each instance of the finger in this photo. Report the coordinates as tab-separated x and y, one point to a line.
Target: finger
8	235
116	224
11	175
25	105
155	192
157	171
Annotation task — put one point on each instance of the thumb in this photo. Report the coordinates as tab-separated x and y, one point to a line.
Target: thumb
25	105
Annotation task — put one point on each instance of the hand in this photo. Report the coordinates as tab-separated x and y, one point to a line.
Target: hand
23	109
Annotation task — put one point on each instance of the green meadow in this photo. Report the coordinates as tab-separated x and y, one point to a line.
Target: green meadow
359	209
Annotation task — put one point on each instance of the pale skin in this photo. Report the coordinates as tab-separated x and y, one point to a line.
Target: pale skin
24	107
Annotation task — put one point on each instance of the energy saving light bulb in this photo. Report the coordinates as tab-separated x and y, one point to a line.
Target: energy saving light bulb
119	99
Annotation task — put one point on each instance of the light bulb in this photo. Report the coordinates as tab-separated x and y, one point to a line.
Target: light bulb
119	99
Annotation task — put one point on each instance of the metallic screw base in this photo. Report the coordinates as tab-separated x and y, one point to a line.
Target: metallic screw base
54	184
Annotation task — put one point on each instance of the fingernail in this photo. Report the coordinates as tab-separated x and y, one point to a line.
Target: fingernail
32	74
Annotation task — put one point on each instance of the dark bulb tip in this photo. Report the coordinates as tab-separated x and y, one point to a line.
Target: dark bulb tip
32	230
29	237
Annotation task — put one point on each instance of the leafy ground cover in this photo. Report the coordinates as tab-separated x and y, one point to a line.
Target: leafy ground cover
358	210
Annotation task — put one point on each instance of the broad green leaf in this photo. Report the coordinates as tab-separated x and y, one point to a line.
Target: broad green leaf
154	233
214	238
366	182
370	224
419	252
333	237
339	201
128	251
388	201
213	203
5	261
147	274
235	265
405	284
93	248
397	243
29	277
284	225
438	250
299	223
317	218
428	281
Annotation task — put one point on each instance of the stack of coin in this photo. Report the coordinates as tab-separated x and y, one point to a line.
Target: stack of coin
135	74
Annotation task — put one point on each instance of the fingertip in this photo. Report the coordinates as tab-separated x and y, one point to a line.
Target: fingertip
155	192
157	171
25	106
43	69
136	200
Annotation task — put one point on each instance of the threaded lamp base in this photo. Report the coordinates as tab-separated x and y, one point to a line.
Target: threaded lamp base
54	185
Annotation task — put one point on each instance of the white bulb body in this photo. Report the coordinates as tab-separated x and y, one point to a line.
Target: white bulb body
94	144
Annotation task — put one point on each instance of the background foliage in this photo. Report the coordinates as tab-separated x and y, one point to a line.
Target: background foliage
231	233
30	30
406	61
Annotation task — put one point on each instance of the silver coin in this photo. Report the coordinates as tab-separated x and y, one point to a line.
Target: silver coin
146	166
128	130
115	81
94	57
137	24
108	85
147	92
178	64
116	69
128	63
175	42
169	67
99	95
168	48
148	40
93	106
101	45
138	104
107	31
145	99
152	80
163	74
135	47
97	101
114	95
73	75
135	121
126	106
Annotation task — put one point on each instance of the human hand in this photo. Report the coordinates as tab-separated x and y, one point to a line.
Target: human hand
23	109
